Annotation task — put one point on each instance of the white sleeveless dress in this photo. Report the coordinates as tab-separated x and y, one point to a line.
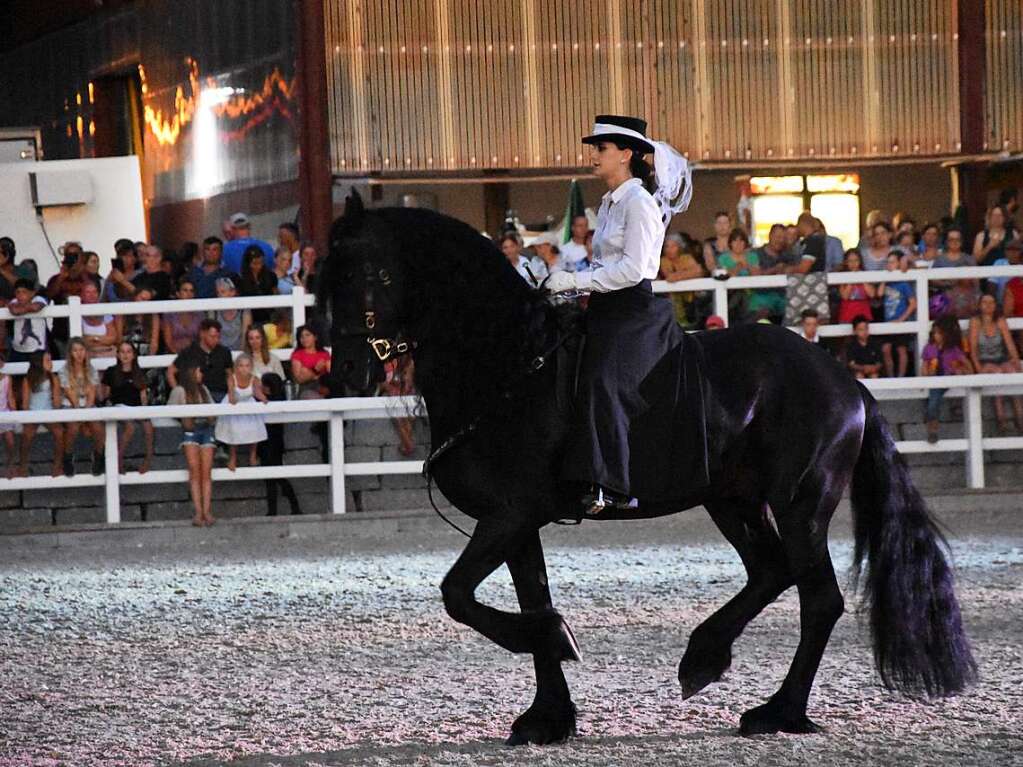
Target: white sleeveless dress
240	429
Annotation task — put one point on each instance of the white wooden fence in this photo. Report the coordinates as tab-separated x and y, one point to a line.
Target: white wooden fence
335	411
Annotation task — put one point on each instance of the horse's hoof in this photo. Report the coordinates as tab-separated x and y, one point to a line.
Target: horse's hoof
543	726
696	671
569	647
771	718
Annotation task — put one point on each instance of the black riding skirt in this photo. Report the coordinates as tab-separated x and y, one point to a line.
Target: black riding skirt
629	333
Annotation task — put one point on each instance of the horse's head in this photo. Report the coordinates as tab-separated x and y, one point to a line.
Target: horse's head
363	283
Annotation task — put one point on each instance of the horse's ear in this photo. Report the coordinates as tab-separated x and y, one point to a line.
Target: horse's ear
354	209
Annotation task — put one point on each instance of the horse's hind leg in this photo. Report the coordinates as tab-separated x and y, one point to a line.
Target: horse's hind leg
551	718
803	529
747	527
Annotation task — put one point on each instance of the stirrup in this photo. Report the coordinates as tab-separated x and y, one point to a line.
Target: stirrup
595	505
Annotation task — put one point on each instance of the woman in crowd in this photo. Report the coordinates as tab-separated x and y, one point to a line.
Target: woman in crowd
92	270
8	404
98	331
989	245
739	261
197	443
678	264
180	329
143	330
123	269
309	363
930	245
855	298
944	355
40	390
875	256
124	385
233	322
233	430
718	244
992	350
283	273
258	349
77	383
257	280
278	329
306	274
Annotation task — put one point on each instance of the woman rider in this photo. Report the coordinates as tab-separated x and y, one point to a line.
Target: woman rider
628	330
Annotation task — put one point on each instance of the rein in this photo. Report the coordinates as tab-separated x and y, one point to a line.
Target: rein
460	436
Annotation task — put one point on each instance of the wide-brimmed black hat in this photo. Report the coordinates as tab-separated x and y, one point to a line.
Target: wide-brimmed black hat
627	132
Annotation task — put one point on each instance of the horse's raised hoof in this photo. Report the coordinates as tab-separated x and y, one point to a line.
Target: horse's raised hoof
561	644
697	670
772	718
543	726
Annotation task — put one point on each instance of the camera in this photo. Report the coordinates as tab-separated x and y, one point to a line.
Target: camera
71	258
117	263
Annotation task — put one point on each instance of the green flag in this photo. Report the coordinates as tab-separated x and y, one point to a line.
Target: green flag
574	208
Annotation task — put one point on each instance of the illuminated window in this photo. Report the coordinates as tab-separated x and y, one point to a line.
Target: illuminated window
840	213
844	183
776	184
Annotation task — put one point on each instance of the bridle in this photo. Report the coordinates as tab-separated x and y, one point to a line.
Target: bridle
386	347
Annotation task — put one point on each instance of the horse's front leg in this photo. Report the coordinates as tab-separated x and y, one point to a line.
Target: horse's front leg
551	718
495	540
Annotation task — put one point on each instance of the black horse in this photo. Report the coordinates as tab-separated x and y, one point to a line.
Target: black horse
788	430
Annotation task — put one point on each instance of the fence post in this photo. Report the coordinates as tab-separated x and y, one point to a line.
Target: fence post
974	439
721	301
75	320
297	309
923	318
112	480
337	463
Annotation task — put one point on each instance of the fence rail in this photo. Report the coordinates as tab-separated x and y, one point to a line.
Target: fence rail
336	411
920	327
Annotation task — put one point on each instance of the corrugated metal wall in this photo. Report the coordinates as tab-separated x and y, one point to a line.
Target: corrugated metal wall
455	85
1003	97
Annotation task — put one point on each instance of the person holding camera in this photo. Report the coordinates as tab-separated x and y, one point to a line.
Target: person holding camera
69	281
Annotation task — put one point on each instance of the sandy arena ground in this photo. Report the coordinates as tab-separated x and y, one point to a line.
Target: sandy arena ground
322	654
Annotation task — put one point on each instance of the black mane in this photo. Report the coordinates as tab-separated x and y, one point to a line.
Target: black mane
467	308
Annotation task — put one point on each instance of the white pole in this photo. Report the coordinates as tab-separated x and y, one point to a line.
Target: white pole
923	319
337	463
974	438
113	488
721	301
297	309
75	318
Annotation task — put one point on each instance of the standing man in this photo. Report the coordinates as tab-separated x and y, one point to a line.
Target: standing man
205	277
235	249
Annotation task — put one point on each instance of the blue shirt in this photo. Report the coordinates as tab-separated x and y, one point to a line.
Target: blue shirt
206	283
896	300
235	249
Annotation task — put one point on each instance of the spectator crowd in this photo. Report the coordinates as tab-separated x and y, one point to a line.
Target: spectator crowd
223	356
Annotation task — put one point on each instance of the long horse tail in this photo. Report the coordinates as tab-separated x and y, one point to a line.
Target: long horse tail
920	646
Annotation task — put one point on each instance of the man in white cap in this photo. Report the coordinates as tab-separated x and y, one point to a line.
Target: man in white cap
235	249
548	257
